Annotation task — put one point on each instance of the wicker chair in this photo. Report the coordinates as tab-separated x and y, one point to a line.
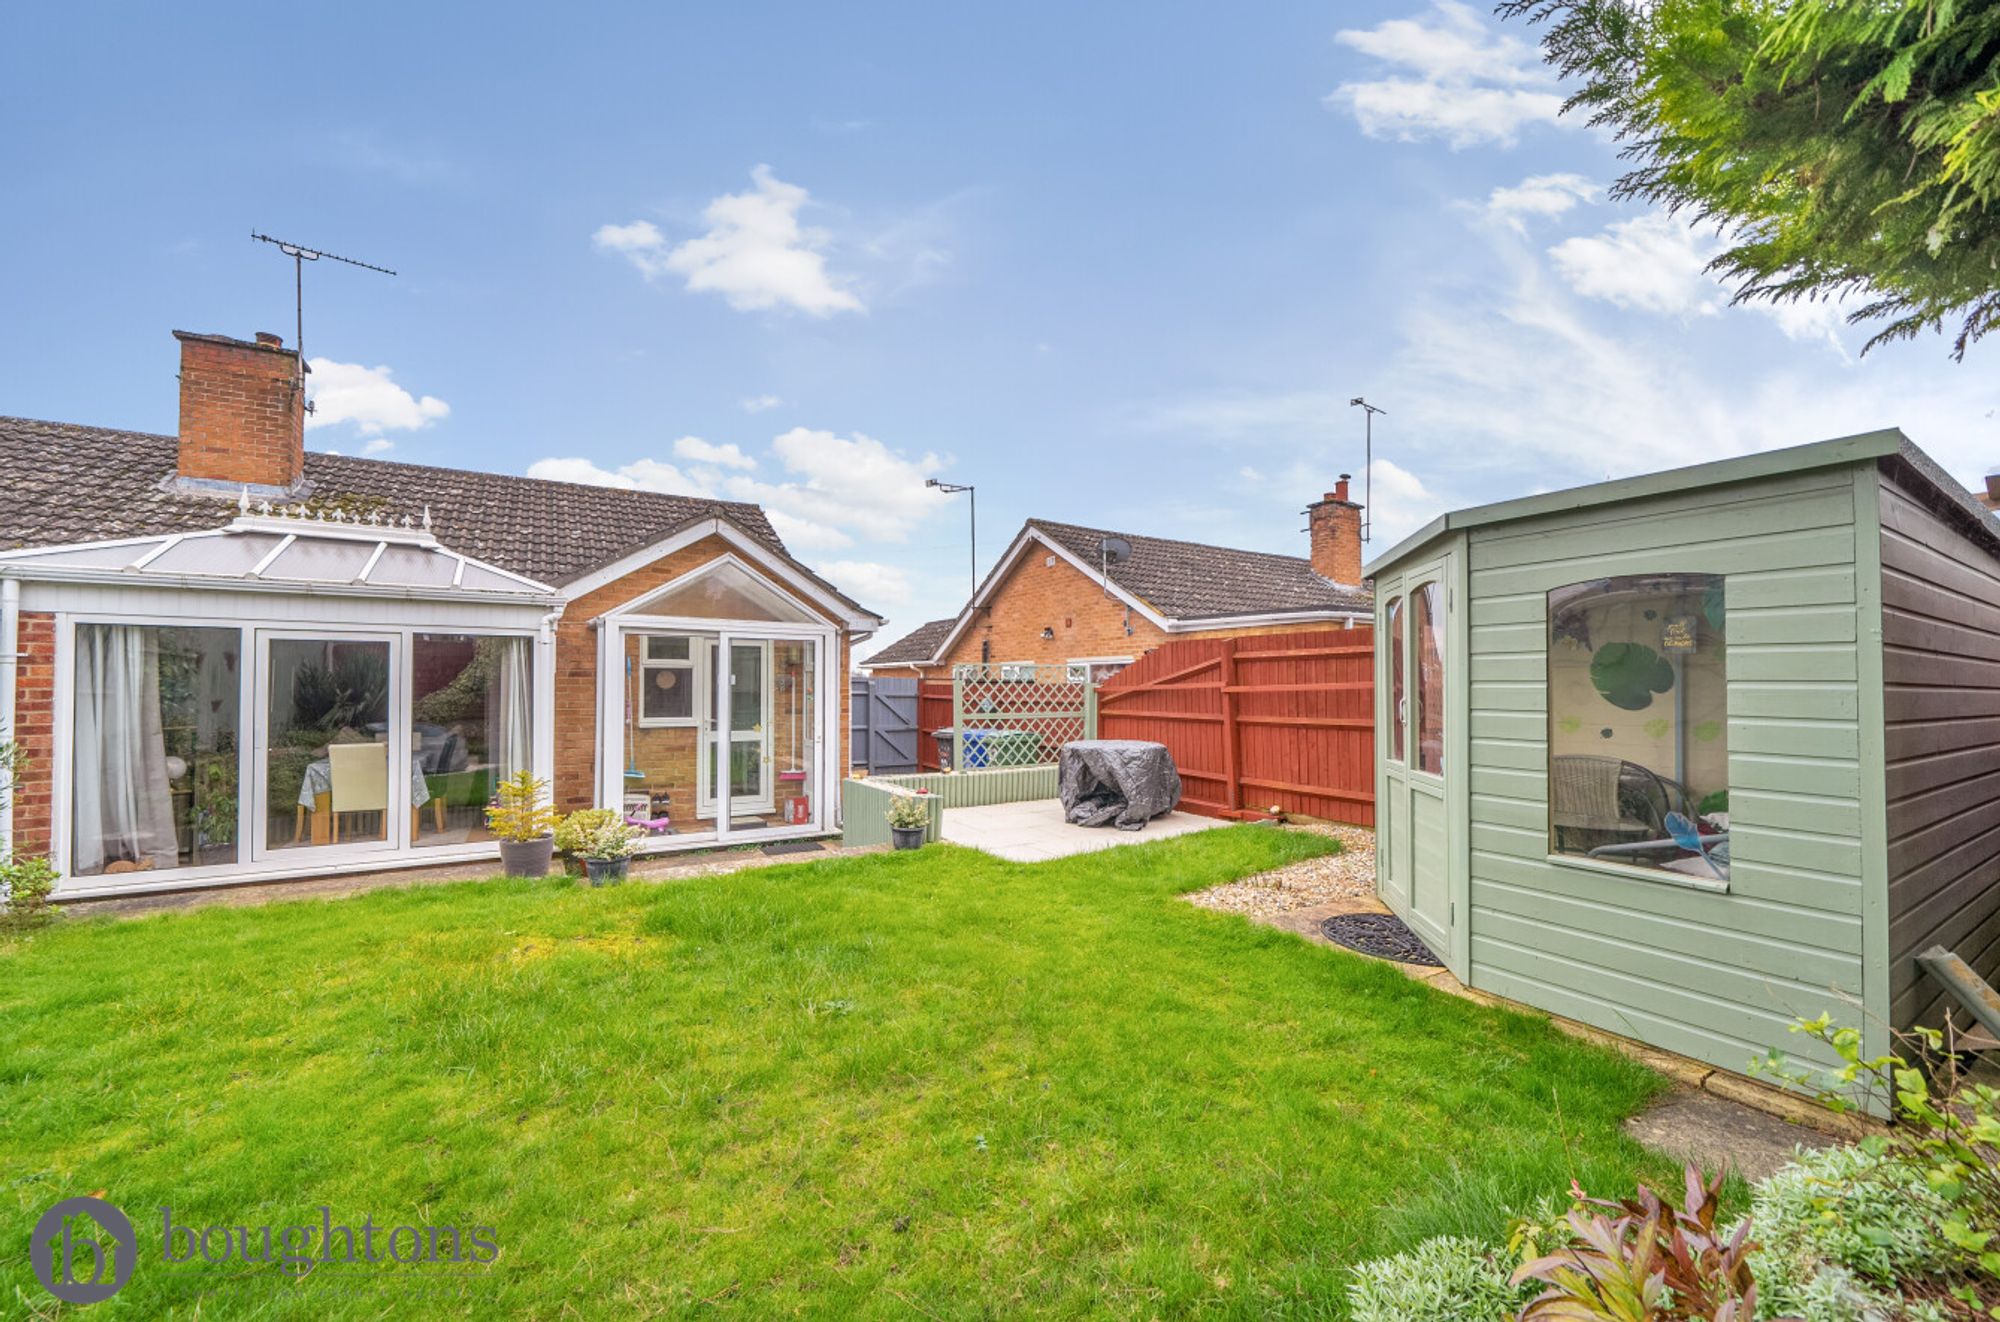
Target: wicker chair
1607	799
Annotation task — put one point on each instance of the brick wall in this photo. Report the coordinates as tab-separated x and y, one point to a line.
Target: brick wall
242	411
34	731
1037	593
576	672
1334	527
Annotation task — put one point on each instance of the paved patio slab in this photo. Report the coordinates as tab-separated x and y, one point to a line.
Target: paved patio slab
1034	831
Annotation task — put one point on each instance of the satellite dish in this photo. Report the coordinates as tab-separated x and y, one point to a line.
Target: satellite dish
1115	550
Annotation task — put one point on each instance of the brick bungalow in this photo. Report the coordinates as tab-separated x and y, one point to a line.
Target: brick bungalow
1057	598
227	659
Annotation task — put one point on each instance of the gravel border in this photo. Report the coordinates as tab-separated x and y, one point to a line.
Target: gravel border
1348	875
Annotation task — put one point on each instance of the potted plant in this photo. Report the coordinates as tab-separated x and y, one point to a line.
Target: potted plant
909	819
524	820
573	835
607	851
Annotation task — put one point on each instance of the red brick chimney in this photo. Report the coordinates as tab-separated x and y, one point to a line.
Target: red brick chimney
242	411
1990	497
1335	527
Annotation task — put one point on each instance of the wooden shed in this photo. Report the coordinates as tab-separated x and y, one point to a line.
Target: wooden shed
1687	755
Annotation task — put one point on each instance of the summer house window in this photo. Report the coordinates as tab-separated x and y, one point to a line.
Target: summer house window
1399	711
1427	640
1638	687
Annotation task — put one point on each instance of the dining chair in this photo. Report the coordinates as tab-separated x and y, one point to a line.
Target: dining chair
360	775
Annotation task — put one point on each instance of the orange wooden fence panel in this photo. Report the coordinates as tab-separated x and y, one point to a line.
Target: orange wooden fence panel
933	713
1285	720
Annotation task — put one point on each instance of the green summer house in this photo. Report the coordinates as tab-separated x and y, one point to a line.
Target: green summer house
1686	756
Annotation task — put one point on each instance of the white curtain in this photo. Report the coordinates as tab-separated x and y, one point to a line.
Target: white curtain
124	806
508	725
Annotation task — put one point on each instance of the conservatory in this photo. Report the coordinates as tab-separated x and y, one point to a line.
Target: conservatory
287	695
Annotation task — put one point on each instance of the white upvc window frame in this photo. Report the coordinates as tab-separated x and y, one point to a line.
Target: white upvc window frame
1090	663
690	667
1010	671
616	623
251	793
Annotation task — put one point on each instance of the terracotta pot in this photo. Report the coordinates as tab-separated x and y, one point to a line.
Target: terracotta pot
528	858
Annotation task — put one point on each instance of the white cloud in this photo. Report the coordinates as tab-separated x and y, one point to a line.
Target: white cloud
1653	263
1399	502
697	451
872	584
641	241
756	254
760	403
835	490
1656	263
1453	78
1537	197
368	398
378	445
842	487
640	475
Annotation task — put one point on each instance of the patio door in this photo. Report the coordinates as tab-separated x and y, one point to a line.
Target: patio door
1413	838
736	729
330	760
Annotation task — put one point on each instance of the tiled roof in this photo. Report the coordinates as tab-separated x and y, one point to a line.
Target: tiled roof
916	645
1193	581
66	483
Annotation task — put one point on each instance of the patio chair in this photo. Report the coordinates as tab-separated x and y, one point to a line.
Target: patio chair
1584	796
360	776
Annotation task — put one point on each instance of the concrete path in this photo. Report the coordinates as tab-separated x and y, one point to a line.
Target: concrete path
1034	831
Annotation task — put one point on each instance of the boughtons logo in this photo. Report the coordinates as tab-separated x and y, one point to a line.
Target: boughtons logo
87	1267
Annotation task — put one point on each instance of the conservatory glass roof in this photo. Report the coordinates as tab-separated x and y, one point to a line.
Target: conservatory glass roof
313	552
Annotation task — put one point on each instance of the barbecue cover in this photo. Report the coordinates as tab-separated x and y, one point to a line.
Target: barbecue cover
1121	782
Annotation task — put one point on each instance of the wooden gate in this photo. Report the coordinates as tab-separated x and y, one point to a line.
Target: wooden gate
883	723
1263	720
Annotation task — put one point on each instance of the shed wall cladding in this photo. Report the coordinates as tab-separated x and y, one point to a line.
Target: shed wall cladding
1941	670
1718	977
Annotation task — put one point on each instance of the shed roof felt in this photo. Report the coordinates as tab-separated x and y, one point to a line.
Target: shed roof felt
1888	445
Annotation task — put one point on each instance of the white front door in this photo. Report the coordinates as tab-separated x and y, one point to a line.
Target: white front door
746	742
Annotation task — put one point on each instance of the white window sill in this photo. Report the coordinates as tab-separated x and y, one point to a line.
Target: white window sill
1630	872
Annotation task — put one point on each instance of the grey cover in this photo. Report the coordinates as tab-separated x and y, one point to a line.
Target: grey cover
1121	782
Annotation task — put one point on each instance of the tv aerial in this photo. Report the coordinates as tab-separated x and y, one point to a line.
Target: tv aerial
300	255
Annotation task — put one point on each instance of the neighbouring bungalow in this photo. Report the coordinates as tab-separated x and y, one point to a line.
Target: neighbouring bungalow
227	659
1094	600
1688	755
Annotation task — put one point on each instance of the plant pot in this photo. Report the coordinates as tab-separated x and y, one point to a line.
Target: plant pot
528	858
606	871
907	837
572	864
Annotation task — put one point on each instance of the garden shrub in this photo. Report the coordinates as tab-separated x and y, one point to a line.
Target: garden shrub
1837	1229
1447	1279
25	885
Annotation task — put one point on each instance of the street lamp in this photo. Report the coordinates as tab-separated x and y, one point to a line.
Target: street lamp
972	505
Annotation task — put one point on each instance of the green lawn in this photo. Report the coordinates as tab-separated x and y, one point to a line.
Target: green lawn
921	1084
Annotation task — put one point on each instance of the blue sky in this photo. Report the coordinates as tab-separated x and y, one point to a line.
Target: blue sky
1121	265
